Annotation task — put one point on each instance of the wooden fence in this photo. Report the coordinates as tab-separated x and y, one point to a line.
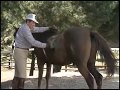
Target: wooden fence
9	61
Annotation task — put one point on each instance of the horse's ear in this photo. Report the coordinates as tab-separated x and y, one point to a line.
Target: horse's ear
16	29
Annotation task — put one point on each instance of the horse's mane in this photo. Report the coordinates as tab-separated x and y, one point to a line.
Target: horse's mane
43	37
40	36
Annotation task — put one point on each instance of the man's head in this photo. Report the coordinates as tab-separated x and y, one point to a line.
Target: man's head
31	21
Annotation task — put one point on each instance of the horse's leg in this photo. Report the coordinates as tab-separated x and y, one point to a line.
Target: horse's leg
65	68
98	77
56	68
85	73
83	54
40	73
91	65
48	73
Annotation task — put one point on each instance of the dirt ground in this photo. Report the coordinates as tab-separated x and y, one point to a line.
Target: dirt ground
61	80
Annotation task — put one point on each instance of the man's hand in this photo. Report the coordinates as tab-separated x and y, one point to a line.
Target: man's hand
47	45
54	28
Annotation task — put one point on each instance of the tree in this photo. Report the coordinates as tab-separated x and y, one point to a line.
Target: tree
102	16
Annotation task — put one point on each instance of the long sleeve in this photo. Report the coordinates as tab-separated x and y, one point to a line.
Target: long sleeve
32	41
39	29
24	39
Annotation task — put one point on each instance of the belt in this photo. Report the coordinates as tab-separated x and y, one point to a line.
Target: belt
23	48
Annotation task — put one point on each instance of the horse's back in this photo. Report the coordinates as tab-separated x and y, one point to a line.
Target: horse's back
78	33
78	36
80	42
71	44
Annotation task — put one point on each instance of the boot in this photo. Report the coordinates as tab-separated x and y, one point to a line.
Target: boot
15	83
21	83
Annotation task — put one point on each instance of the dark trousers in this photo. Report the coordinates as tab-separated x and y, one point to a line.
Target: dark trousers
18	83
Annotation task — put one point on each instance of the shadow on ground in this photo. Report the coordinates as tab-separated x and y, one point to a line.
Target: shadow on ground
74	82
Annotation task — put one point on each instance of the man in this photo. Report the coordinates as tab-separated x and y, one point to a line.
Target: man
23	41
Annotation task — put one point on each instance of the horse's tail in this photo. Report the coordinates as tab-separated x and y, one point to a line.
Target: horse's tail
105	50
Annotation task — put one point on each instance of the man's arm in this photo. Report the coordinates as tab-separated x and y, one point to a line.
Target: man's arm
28	36
39	29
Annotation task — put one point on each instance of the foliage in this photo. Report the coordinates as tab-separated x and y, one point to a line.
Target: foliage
102	16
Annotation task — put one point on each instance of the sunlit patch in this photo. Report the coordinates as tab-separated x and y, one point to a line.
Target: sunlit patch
116	81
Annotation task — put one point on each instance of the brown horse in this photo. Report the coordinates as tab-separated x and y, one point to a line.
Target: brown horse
77	45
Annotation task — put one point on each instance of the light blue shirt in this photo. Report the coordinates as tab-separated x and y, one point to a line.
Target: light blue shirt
25	39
